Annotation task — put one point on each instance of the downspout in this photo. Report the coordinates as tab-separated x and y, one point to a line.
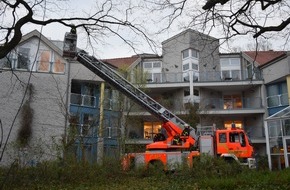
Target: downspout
66	109
67	103
102	97
100	145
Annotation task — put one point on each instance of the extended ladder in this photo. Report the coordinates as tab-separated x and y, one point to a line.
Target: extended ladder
121	84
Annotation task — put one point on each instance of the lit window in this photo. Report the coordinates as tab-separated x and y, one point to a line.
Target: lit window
232	101
228	124
151	129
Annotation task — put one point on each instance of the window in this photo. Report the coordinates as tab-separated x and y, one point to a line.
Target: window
232	101
49	61
228	124
23	61
230	68
195	66
156	64
44	61
74	124
196	92
249	70
186	92
147	65
151	65
58	65
87	127
190	53
277	95
185	54
185	67
151	129
234	137
7	62
195	53
222	137
153	71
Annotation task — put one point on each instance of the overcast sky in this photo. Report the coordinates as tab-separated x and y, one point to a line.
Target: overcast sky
113	47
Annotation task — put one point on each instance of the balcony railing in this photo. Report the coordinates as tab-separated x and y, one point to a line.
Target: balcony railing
82	100
86	130
221	104
206	76
91	101
278	100
179	105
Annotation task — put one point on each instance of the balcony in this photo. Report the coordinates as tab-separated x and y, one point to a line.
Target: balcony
86	130
178	106
91	101
222	104
82	100
206	76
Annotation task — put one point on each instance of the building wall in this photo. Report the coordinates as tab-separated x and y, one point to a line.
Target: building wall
207	46
276	70
48	104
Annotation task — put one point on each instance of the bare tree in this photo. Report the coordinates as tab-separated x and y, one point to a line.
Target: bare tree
105	17
229	18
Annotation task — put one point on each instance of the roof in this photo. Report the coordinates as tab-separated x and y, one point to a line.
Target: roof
282	114
189	30
121	62
45	40
264	57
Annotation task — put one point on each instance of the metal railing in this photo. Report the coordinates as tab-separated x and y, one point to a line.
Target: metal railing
205	76
82	100
86	130
277	100
179	105
91	101
221	104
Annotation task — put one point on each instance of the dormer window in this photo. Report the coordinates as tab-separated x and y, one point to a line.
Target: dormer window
190	53
153	71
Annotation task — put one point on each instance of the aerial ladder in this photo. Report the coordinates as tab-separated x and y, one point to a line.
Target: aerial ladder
171	123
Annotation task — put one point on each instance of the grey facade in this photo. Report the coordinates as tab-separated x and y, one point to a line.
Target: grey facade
191	71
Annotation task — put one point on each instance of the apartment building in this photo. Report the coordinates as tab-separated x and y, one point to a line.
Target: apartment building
72	104
227	88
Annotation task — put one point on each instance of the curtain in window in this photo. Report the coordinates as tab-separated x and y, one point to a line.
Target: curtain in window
58	66
44	61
